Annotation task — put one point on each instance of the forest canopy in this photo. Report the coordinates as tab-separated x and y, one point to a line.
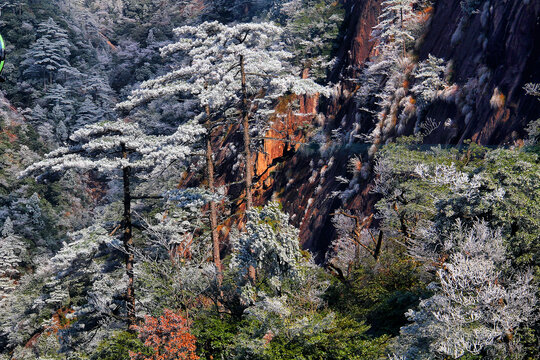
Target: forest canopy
270	179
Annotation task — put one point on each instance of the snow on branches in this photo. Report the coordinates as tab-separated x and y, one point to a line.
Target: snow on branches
211	67
269	245
478	299
100	147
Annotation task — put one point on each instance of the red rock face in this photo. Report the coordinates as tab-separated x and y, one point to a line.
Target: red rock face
356	47
285	137
304	180
503	40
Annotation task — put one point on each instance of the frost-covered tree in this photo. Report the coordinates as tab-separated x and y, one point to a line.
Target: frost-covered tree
62	96
425	194
241	67
226	67
312	27
430	79
354	240
173	269
88	113
122	150
49	54
534	126
479	303
392	26
12	250
268	251
237	10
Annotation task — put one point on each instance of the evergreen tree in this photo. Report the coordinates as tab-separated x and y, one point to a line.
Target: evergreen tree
478	301
312	28
11	253
268	251
393	23
229	67
49	55
241	66
120	149
88	113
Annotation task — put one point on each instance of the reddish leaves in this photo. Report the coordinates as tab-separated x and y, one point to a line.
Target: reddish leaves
167	336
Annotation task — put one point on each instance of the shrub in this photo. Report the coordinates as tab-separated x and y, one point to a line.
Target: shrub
167	336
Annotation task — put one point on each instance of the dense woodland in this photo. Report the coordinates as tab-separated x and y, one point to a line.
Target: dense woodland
133	213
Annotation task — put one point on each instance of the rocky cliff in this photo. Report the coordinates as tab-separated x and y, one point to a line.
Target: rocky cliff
496	50
493	52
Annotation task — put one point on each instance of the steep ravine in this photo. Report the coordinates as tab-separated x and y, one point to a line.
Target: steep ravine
503	39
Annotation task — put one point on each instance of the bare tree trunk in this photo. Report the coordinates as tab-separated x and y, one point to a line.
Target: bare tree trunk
247	138
128	241
401	25
252	273
213	206
377	251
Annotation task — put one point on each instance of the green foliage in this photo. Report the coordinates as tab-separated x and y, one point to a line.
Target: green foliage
118	346
381	294
427	191
500	186
313	28
345	340
215	335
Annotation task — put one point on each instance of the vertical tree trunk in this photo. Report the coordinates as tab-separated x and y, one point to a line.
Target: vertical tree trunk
213	206
377	251
128	241
401	25
252	273
247	138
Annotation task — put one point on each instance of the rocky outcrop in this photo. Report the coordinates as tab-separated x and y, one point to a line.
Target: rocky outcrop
495	51
307	183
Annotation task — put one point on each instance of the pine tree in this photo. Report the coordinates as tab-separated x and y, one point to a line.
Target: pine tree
241	66
88	113
312	28
268	251
122	150
393	23
11	251
58	118
229	67
477	300
430	77
49	54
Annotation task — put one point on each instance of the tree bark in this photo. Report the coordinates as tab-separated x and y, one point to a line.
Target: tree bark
128	241
213	206
252	273
247	138
377	251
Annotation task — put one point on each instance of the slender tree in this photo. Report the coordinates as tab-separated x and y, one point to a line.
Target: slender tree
241	67
393	23
11	249
122	150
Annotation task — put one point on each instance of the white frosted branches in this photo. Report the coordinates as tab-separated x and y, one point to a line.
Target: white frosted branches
211	67
478	300
430	76
99	147
393	22
269	245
